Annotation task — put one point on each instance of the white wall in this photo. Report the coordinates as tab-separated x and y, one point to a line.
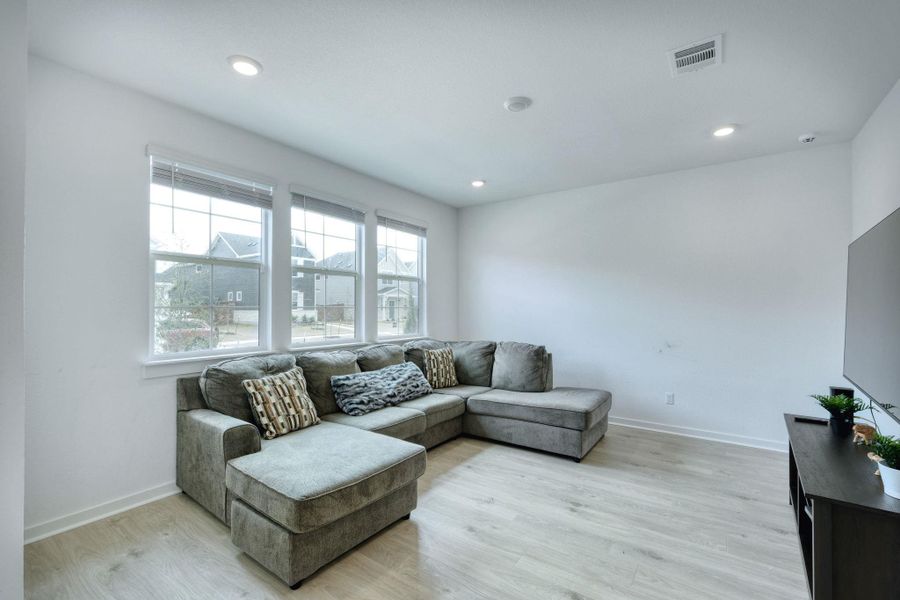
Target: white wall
876	180
724	285
14	49
97	430
876	165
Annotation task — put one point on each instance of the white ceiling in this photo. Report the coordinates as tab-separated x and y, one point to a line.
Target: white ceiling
412	91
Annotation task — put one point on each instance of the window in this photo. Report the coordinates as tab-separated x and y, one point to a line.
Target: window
238	296
325	271
401	267
207	238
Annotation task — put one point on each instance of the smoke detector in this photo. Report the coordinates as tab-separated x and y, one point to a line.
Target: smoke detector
696	56
517	103
807	138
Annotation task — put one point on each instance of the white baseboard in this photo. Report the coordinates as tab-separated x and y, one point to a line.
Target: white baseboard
703	434
101	511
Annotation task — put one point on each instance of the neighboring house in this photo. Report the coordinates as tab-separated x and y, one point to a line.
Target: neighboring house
186	284
391	296
311	291
303	289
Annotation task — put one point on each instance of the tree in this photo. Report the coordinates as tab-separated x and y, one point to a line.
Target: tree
412	318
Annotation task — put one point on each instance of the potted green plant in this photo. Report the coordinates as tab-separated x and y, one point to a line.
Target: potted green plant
841	408
887	453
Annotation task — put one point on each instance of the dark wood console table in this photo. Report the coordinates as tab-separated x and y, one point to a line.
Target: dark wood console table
849	528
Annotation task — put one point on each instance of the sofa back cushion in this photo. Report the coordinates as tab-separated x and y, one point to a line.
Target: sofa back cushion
222	384
521	367
474	362
415	350
439	368
319	368
280	403
379	356
360	393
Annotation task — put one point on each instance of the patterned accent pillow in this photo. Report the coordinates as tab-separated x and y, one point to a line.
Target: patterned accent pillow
359	393
439	368
280	403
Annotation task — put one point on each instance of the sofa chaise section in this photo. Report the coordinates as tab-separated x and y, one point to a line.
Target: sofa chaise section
307	497
292	557
568	421
309	478
572	408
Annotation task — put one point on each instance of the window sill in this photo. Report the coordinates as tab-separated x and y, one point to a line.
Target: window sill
399	340
325	347
169	367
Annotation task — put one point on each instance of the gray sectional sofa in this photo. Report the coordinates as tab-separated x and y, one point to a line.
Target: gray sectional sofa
296	502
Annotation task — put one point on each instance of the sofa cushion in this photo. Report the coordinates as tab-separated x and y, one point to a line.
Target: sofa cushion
394	421
439	368
312	477
280	403
463	391
520	367
222	384
572	408
319	368
437	407
379	356
415	350
359	393
474	362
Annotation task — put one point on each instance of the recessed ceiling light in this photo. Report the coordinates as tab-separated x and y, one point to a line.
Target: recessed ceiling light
245	65
478	183
517	103
724	131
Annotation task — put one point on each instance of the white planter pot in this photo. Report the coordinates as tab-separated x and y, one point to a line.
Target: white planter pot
891	480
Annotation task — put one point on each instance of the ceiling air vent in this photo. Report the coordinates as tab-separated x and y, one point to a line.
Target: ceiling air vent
696	56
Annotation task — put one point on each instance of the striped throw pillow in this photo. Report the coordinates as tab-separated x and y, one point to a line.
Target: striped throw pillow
281	403
439	368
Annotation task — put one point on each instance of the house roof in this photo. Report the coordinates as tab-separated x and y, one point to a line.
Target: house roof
341	261
393	290
345	260
242	246
298	250
403	268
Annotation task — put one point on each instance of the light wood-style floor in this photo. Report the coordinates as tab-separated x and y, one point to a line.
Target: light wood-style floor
645	516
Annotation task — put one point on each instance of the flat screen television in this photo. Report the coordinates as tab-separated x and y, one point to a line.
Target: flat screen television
872	334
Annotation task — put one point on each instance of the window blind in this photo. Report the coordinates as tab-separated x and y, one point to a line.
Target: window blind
401	226
331	209
208	183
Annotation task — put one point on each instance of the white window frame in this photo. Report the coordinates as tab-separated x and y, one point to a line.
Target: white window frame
263	266
321	274
419	279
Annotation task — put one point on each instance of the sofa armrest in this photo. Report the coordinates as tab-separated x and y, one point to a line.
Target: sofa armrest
206	441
